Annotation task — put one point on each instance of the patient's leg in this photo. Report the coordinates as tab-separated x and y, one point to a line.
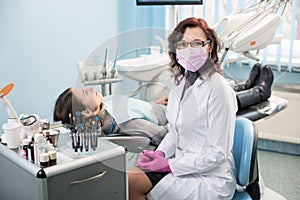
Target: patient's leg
160	113
138	183
251	81
260	92
142	127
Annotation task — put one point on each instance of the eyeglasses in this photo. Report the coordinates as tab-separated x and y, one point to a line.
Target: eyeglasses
182	44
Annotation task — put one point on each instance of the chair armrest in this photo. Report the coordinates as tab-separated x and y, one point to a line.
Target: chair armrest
264	109
133	144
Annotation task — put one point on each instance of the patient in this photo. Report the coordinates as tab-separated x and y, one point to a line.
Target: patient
149	119
118	114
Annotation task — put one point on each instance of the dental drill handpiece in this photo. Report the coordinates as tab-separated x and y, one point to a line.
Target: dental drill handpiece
92	134
87	127
103	72
113	72
113	69
73	130
98	129
81	134
79	127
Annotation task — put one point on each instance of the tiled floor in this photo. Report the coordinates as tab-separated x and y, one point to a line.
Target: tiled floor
281	173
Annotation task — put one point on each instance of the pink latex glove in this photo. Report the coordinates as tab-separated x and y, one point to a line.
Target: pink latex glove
147	155
156	163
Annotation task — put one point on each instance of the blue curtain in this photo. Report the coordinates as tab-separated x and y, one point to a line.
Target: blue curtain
132	16
138	26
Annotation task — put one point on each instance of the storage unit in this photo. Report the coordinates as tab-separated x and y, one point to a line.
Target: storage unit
100	174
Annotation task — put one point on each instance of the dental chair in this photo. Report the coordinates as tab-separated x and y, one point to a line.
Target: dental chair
245	158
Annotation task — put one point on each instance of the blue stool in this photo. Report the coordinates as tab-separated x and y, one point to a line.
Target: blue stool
245	158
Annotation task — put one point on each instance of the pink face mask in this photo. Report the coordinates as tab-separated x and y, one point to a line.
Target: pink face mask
192	59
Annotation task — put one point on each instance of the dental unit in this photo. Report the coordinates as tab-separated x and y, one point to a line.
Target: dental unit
251	28
96	70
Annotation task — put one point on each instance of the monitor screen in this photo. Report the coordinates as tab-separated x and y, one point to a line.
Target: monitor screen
168	2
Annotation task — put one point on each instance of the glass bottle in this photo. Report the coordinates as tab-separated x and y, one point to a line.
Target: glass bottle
25	144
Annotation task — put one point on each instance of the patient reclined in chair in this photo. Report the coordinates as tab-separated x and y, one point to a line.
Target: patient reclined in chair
122	115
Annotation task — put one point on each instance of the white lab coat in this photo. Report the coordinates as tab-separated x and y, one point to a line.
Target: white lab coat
199	142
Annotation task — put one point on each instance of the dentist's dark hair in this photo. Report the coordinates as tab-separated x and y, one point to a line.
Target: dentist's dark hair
177	35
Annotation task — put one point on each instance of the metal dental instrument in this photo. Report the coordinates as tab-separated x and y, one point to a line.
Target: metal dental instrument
79	127
103	72
81	135
87	134
98	129
113	71
73	130
94	132
91	134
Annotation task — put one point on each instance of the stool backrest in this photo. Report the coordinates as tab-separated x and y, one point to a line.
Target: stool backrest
245	151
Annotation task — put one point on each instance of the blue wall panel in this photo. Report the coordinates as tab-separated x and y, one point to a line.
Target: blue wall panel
41	43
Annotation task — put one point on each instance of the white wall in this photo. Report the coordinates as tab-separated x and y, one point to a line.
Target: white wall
41	42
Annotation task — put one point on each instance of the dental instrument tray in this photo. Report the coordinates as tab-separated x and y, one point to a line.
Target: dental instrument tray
72	177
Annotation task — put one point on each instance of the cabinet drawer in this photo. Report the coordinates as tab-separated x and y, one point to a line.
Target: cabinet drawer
101	180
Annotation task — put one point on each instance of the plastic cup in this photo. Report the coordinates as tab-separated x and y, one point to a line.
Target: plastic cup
12	134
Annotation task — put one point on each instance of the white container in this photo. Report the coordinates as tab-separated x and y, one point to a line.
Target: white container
39	147
12	134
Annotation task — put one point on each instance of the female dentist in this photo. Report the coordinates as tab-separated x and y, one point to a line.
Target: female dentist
194	160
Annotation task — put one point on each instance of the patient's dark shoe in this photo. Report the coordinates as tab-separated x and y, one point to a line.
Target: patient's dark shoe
251	81
265	83
258	93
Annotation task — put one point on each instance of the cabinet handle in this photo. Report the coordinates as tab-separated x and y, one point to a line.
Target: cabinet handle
93	178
